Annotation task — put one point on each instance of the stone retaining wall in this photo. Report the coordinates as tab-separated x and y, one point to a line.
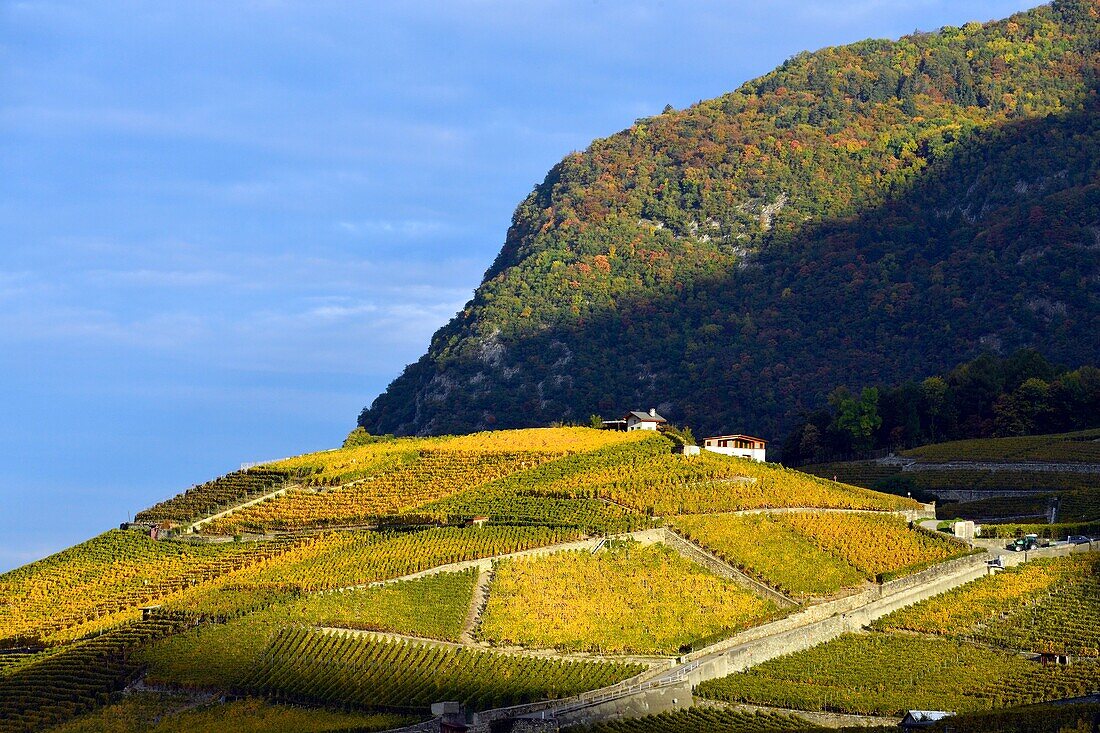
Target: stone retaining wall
723	569
816	718
803	636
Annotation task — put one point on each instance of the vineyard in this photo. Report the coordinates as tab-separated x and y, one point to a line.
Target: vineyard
313	667
216	496
106	580
336	467
771	552
1080	446
434	474
629	599
164	713
432	607
670	484
277	620
590	480
223	600
76	679
345	559
645	477
875	544
1073	507
874	476
699	719
881	674
1057	531
1049	605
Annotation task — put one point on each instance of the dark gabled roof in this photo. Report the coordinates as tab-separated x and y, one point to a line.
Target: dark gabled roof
645	416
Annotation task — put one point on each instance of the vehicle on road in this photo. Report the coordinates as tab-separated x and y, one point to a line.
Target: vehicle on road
1023	544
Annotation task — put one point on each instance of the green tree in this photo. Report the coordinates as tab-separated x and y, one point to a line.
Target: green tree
857	419
933	393
1024	411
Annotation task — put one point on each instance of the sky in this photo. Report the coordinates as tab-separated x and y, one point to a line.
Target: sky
225	227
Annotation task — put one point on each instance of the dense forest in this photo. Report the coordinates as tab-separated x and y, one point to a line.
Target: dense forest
862	215
1022	394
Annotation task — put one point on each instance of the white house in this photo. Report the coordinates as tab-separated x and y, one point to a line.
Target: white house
742	446
636	420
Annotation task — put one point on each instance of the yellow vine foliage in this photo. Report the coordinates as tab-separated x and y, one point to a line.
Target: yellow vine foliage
871	543
104	582
772	552
632	599
434	474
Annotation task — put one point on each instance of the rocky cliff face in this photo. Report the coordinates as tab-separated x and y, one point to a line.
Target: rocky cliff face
862	214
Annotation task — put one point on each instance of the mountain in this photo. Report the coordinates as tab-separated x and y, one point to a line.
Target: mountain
863	214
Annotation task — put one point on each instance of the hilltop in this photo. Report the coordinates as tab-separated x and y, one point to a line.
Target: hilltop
860	215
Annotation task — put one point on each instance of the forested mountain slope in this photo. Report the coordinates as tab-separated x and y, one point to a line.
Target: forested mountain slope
862	214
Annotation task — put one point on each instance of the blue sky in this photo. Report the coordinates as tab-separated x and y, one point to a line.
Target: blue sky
226	226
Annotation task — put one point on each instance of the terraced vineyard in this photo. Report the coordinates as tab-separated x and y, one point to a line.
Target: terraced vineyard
697	719
670	485
76	679
106	580
883	674
772	552
432	607
547	494
875	544
875	476
223	601
156	713
1057	531
314	667
344	559
434	474
630	599
285	619
1080	446
1049	605
1073	507
336	467
216	496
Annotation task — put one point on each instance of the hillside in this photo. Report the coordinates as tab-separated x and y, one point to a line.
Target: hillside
1047	484
860	215
514	572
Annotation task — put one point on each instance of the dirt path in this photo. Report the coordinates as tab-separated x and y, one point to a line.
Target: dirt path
194	527
644	536
477	606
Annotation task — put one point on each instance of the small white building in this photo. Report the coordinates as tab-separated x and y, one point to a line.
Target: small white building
921	719
636	420
742	446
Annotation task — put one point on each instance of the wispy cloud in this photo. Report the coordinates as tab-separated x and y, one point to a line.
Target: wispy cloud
405	228
160	278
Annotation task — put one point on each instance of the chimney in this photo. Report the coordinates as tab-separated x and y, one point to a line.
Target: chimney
653	412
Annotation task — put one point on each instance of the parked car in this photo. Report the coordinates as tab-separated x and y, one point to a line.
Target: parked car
1078	539
1023	544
